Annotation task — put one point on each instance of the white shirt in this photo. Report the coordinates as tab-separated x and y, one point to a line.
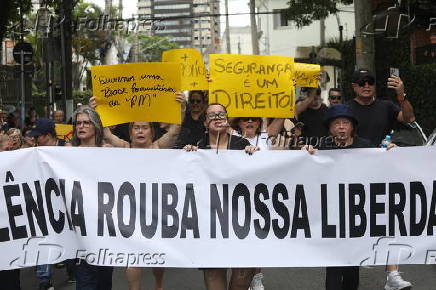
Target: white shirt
260	140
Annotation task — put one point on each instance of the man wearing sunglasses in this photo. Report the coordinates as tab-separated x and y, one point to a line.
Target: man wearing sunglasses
377	116
335	96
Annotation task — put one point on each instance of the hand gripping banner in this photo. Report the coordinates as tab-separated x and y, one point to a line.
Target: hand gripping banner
170	208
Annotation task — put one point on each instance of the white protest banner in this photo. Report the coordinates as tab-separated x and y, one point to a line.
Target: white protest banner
169	208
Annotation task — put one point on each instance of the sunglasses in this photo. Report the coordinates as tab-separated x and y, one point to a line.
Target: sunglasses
194	101
362	83
246	119
217	116
335	97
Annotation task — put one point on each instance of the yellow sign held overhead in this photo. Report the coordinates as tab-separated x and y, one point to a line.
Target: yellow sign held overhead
253	85
192	67
137	92
307	74
64	131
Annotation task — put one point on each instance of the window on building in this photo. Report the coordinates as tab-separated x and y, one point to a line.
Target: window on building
279	18
173	6
175	14
180	38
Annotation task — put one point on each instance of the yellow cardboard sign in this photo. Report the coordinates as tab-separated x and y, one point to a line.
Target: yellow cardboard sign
253	85
307	74
137	92
192	66
64	131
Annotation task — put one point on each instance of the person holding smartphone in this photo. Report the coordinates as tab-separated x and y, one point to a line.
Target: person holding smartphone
377	116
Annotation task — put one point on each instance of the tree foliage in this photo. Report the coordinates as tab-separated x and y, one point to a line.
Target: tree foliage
9	14
86	42
304	12
150	48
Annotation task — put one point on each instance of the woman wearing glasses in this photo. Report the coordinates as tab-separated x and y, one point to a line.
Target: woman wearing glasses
88	132
250	128
218	138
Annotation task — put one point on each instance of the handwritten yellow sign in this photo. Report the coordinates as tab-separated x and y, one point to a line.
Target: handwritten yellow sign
253	85
307	74
64	131
137	92
192	66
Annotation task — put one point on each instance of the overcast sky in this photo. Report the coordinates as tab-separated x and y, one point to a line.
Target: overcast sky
235	6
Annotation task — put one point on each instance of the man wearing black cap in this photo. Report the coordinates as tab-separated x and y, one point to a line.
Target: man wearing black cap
377	116
376	120
44	133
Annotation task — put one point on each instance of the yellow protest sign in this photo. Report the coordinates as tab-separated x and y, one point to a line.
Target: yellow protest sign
307	74
137	92
192	66
64	131
252	85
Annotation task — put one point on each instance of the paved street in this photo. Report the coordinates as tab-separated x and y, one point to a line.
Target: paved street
423	278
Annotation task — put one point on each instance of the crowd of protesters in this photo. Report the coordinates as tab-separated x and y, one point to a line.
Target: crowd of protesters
361	122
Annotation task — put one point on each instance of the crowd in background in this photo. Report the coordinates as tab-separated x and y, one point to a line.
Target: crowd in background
363	121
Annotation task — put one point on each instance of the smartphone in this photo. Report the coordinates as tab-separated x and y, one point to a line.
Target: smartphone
394	72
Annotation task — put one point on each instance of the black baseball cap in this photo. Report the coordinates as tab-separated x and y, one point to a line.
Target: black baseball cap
42	126
361	74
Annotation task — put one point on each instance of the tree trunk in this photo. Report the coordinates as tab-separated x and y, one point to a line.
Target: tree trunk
364	42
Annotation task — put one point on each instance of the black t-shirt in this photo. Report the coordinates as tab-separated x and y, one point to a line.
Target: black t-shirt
234	143
192	131
358	142
375	120
313	121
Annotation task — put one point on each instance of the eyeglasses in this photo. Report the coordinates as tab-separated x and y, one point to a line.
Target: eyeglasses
195	101
84	123
216	116
340	123
335	97
246	119
362	83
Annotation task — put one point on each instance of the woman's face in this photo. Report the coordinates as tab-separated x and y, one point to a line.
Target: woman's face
85	129
196	102
216	119
249	126
141	133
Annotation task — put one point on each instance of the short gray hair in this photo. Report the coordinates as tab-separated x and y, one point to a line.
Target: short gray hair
95	119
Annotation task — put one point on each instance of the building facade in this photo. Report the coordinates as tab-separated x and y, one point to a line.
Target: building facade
281	37
190	23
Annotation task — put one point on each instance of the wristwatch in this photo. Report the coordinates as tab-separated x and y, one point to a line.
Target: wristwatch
403	99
